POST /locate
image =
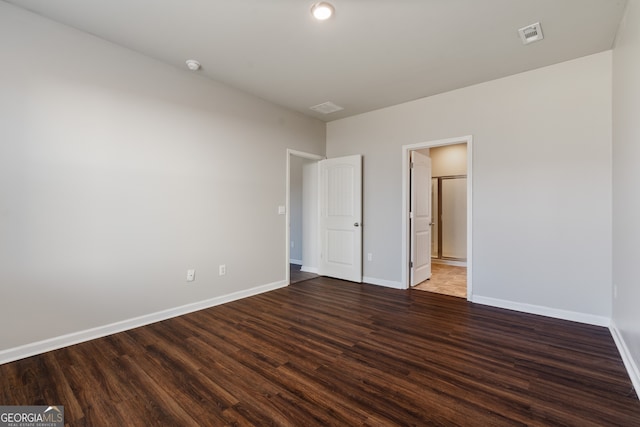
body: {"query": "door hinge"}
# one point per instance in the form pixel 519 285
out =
pixel 410 264
pixel 411 165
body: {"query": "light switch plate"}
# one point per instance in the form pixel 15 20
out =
pixel 281 210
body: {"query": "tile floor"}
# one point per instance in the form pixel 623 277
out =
pixel 447 280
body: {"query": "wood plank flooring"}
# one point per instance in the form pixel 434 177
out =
pixel 328 352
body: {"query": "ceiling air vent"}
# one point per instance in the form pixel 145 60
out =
pixel 531 33
pixel 326 108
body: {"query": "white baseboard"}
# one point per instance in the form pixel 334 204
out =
pixel 574 316
pixel 309 269
pixel 627 358
pixel 383 282
pixel 449 262
pixel 295 261
pixel 28 350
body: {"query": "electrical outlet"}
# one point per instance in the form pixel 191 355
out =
pixel 191 275
pixel 369 256
pixel 222 270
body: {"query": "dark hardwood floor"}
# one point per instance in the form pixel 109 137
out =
pixel 328 352
pixel 296 275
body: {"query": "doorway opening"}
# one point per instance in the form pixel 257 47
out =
pixel 329 236
pixel 437 196
pixel 301 216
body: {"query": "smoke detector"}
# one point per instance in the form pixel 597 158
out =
pixel 326 108
pixel 192 64
pixel 531 33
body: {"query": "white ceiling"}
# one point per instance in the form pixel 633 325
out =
pixel 371 54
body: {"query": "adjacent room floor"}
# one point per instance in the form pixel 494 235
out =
pixel 296 275
pixel 447 280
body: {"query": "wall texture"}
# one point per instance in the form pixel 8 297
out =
pixel 541 183
pixel 118 173
pixel 626 185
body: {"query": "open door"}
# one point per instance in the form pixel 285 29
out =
pixel 420 218
pixel 341 218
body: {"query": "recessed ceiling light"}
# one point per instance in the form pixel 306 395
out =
pixel 322 10
pixel 192 64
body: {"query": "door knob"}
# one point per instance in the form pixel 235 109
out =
pixel 356 225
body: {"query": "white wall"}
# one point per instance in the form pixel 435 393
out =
pixel 118 172
pixel 449 160
pixel 541 186
pixel 626 185
pixel 295 207
pixel 310 216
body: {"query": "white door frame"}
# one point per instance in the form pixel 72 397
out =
pixel 304 155
pixel 406 150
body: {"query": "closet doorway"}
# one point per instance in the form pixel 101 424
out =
pixel 449 213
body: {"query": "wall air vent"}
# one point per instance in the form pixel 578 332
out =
pixel 531 33
pixel 326 108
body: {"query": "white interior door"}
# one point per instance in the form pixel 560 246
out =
pixel 420 217
pixel 341 218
